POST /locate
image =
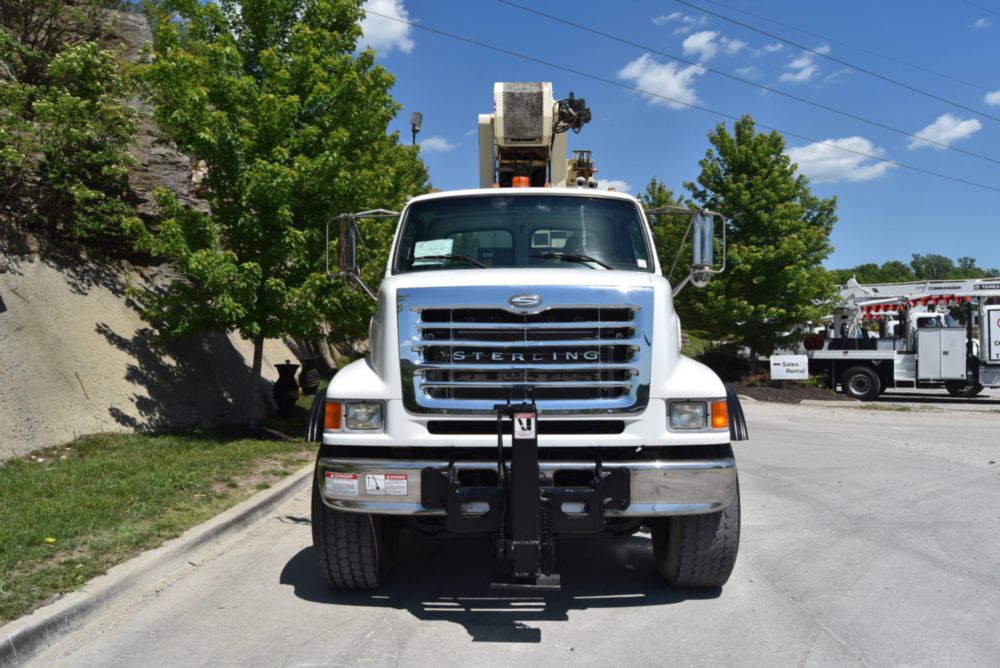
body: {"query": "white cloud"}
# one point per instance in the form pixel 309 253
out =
pixel 733 46
pixel 773 48
pixel 702 44
pixel 667 18
pixel 993 99
pixel 981 23
pixel 750 71
pixel 668 80
pixel 383 35
pixel 705 45
pixel 436 144
pixel 825 49
pixel 685 23
pixel 945 130
pixel 832 160
pixel 617 184
pixel 802 68
pixel 473 131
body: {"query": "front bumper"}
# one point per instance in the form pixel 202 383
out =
pixel 656 488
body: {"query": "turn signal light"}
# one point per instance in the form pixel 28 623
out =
pixel 521 182
pixel 720 415
pixel 334 415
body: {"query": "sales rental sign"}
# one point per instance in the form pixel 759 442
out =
pixel 789 367
pixel 993 333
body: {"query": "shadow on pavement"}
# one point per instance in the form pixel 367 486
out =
pixel 447 579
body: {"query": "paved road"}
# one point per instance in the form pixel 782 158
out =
pixel 869 538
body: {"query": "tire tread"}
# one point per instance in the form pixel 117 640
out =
pixel 347 547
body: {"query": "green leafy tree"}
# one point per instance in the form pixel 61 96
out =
pixel 65 128
pixel 32 32
pixel 291 125
pixel 668 229
pixel 778 234
pixel 932 266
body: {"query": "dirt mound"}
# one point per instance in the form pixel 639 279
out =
pixel 76 358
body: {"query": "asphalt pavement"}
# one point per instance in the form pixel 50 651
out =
pixel 870 537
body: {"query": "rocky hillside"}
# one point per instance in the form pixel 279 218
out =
pixel 75 356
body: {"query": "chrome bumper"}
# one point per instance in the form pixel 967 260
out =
pixel 657 488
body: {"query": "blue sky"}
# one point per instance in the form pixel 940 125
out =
pixel 886 211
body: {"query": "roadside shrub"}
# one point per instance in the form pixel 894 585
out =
pixel 727 360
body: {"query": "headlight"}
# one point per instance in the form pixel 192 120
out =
pixel 688 415
pixel 364 416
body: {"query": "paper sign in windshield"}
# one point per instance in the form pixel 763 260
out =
pixel 433 247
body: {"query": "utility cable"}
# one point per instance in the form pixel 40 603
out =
pixel 748 82
pixel 834 59
pixel 981 8
pixel 855 47
pixel 635 89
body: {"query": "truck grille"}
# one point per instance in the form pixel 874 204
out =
pixel 567 358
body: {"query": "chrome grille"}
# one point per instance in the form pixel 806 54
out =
pixel 569 358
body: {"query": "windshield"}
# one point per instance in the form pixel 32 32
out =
pixel 588 233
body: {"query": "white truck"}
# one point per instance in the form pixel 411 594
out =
pixel 918 344
pixel 524 379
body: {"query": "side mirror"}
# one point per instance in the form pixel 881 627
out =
pixel 347 248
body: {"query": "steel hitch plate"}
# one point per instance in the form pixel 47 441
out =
pixel 526 539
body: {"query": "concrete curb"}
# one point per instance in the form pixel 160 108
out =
pixel 27 637
pixel 831 403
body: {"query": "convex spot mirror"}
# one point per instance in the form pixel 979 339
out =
pixel 347 248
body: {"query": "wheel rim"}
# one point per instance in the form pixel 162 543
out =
pixel 859 384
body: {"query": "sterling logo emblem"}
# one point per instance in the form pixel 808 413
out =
pixel 525 301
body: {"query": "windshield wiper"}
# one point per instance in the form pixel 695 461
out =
pixel 572 257
pixel 461 258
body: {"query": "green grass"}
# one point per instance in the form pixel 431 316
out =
pixel 70 512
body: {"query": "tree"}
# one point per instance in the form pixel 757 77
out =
pixel 64 127
pixel 291 125
pixel 32 32
pixel 778 234
pixel 668 230
pixel 932 266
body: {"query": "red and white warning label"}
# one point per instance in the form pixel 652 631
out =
pixel 524 425
pixel 385 484
pixel 342 484
pixel 395 484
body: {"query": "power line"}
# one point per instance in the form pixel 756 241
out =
pixel 748 82
pixel 634 89
pixel 883 77
pixel 981 8
pixel 862 49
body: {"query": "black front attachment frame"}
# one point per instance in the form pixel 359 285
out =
pixel 522 508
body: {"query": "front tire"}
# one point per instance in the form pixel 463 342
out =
pixel 698 550
pixel 353 550
pixel 861 382
pixel 963 389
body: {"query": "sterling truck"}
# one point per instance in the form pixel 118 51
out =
pixel 524 380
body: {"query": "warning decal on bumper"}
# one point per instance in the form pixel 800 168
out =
pixel 341 484
pixel 387 484
pixel 395 485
